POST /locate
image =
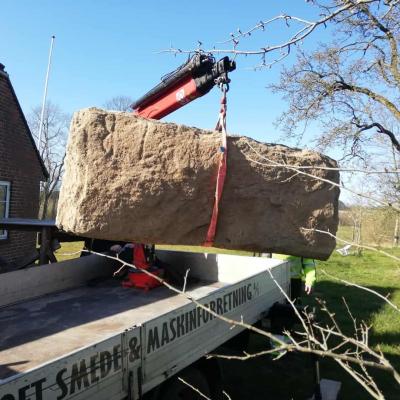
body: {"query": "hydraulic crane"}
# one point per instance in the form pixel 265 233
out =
pixel 193 79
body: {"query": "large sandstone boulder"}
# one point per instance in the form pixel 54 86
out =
pixel 133 179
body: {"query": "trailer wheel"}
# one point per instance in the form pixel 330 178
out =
pixel 176 389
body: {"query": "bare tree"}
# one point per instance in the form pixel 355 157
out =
pixel 384 155
pixel 52 150
pixel 350 85
pixel 119 103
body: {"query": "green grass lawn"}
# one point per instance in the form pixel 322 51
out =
pixel 199 249
pixel 381 274
pixel 69 250
pixel 345 233
pixel 292 376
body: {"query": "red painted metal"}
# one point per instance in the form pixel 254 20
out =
pixel 139 257
pixel 175 97
pixel 137 278
pixel 140 280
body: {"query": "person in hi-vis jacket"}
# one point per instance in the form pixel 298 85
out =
pixel 302 274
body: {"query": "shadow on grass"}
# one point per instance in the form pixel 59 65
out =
pixel 292 377
pixel 385 331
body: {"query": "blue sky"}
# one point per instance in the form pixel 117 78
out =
pixel 108 48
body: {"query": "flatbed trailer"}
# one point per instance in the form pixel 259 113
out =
pixel 68 330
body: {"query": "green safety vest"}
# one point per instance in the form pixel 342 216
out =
pixel 300 268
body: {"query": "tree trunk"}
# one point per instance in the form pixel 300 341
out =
pixel 43 211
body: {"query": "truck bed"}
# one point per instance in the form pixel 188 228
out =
pixel 70 331
pixel 65 321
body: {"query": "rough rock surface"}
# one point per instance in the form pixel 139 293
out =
pixel 128 178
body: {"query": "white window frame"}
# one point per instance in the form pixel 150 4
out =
pixel 4 235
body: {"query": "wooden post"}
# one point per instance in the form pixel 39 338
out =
pixel 44 245
pixel 396 232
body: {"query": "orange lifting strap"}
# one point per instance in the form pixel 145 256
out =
pixel 222 168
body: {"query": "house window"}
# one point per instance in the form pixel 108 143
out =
pixel 4 205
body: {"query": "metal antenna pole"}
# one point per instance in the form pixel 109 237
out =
pixel 45 94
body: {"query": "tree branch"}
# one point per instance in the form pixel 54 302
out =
pixel 394 59
pixel 299 36
pixel 381 129
pixel 335 184
pixel 341 85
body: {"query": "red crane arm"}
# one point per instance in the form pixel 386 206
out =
pixel 193 79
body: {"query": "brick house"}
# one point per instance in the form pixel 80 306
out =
pixel 21 170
